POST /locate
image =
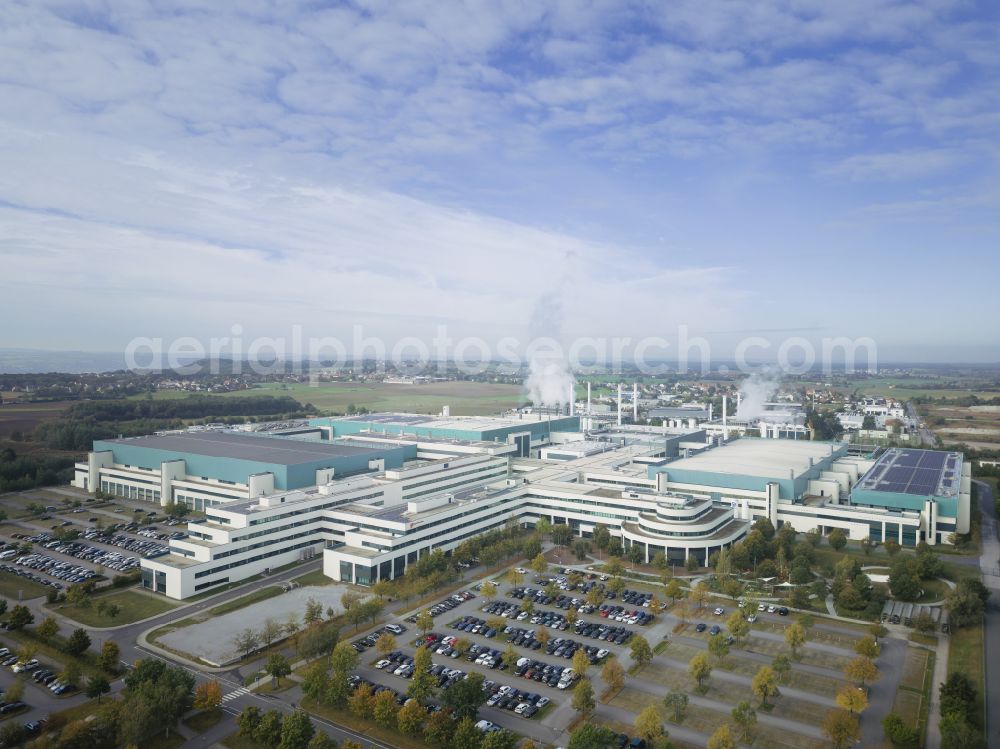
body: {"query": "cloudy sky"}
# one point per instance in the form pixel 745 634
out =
pixel 776 167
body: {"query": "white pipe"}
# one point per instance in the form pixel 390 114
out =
pixel 725 418
pixel 619 404
pixel 635 402
pixel 710 407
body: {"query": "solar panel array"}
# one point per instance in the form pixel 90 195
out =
pixel 919 472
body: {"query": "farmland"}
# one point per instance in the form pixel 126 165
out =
pixel 464 398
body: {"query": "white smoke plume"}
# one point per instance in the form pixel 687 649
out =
pixel 550 378
pixel 755 391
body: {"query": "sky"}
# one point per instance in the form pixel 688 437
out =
pixel 779 168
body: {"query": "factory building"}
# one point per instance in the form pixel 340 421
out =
pixel 400 494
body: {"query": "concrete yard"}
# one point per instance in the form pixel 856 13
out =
pixel 214 640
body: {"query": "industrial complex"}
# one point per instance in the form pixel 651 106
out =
pixel 374 493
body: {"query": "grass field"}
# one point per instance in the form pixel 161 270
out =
pixel 135 606
pixel 965 655
pixel 316 577
pixel 464 398
pixel 24 417
pixel 11 585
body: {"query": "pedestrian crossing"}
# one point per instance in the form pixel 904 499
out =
pixel 235 694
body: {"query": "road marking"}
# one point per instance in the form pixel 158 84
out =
pixel 236 693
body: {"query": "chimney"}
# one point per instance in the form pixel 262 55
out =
pixel 635 402
pixel 572 397
pixel 588 398
pixel 619 404
pixel 725 418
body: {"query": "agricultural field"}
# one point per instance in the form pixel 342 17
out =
pixel 929 386
pixel 24 417
pixel 975 426
pixel 464 398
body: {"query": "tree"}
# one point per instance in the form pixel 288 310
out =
pixel 291 625
pixel 782 666
pixel 795 636
pixel 861 670
pixel 841 728
pixel 674 590
pixel 410 718
pixel 738 626
pixel 613 674
pixel 691 563
pixel 321 741
pixel 270 632
pixel 385 644
pixel 699 595
pixel 465 697
pixel 110 657
pixel 899 733
pixel 764 684
pixel 540 564
pixel 20 617
pixel 438 728
pixel 342 660
pixel 360 701
pixel 649 725
pixel 722 738
pixel 246 641
pixel 207 695
pixel 700 669
pixel 745 717
pixel 580 662
pixel 384 709
pixel 488 591
pixel 904 582
pixel 78 642
pixel 48 629
pixel 316 681
pixel 277 666
pixel 15 691
pixel 296 731
pixel 958 695
pixel 867 646
pixel 959 734
pixel 465 735
pixel 96 687
pixel 837 539
pixel 423 682
pixel 268 731
pixel 590 736
pixel 718 647
pixel 425 622
pixel 852 699
pixel 502 739
pixel 562 534
pixel 248 721
pixel 676 701
pixel 891 547
pixel 583 698
pixel 640 651
pixel 966 602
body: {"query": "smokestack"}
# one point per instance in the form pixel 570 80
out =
pixel 739 400
pixel 588 398
pixel 635 402
pixel 619 404
pixel 572 398
pixel 710 408
pixel 725 417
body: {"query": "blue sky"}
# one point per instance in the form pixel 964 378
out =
pixel 787 166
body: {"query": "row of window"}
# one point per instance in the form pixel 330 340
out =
pixel 315 508
pixel 130 492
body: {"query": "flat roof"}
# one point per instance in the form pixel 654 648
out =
pixel 924 473
pixel 766 458
pixel 245 446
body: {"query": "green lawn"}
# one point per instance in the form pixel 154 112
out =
pixel 965 655
pixel 261 594
pixel 11 585
pixel 464 398
pixel 316 577
pixel 135 606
